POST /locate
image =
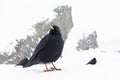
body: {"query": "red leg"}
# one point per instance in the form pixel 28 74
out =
pixel 47 68
pixel 54 68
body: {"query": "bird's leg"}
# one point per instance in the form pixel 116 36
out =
pixel 47 68
pixel 54 68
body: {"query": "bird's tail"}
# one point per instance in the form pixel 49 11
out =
pixel 25 63
pixel 86 63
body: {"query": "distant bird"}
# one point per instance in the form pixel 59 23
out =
pixel 92 61
pixel 48 50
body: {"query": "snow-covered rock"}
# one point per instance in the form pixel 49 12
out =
pixel 88 42
pixel 25 47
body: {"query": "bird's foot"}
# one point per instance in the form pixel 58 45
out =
pixel 48 70
pixel 52 68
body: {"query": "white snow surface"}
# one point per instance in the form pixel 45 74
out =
pixel 17 17
pixel 73 67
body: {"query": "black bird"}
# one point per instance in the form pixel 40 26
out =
pixel 48 50
pixel 92 61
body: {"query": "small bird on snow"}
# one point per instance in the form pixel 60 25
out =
pixel 92 61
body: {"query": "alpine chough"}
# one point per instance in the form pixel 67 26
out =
pixel 48 50
pixel 92 61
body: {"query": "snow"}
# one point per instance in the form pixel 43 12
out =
pixel 17 17
pixel 73 67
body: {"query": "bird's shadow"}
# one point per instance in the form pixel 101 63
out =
pixel 39 71
pixel 35 71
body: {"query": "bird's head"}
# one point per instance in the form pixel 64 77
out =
pixel 55 30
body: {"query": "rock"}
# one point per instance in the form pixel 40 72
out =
pixel 25 47
pixel 63 19
pixel 88 42
pixel 3 58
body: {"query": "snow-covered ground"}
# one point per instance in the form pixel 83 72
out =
pixel 73 67
pixel 17 17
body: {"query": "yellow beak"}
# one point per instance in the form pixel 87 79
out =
pixel 51 27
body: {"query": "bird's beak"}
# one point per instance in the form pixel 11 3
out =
pixel 51 27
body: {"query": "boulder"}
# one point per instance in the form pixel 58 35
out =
pixel 88 42
pixel 25 47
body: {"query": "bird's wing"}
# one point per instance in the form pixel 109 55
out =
pixel 40 45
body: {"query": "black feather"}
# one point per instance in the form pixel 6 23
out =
pixel 23 62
